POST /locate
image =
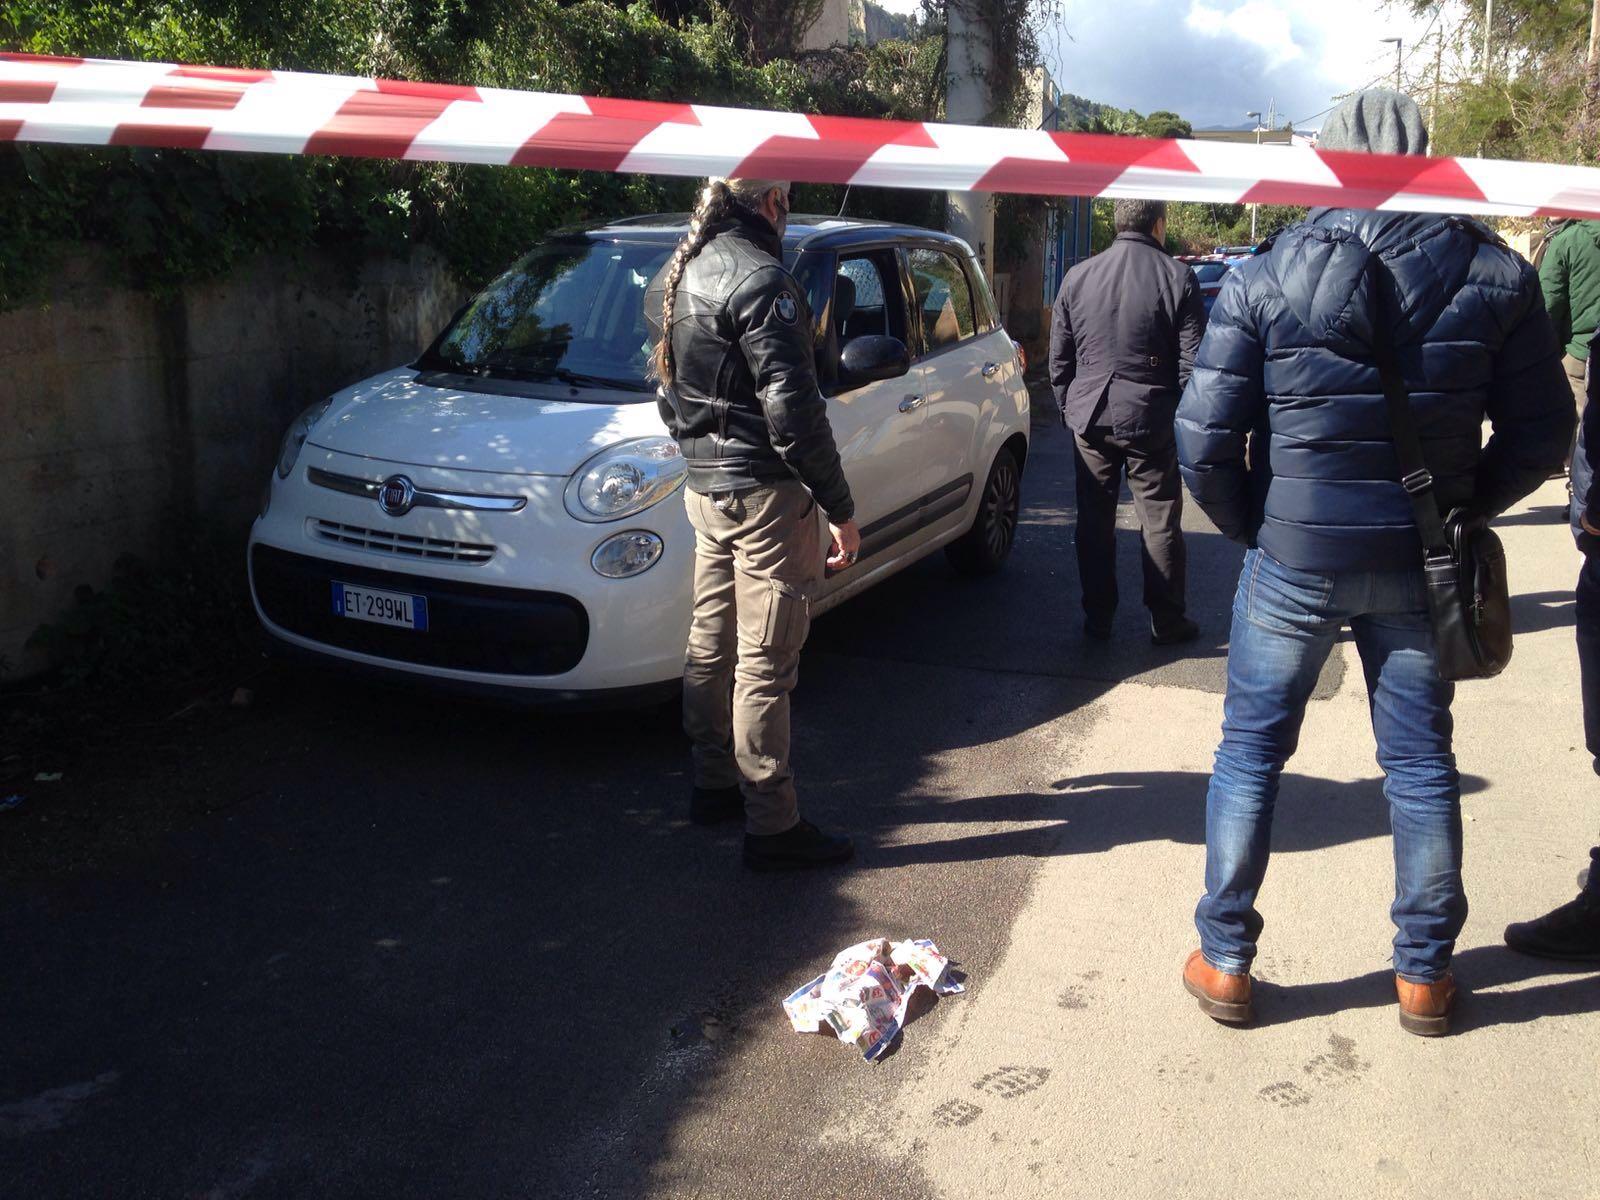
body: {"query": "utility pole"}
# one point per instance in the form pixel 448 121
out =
pixel 1398 86
pixel 969 100
pixel 1488 21
pixel 1438 66
pixel 1594 36
pixel 1253 208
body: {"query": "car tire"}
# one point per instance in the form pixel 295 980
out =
pixel 984 548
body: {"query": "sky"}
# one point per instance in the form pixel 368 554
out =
pixel 1211 61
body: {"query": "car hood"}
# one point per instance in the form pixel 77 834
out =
pixel 427 419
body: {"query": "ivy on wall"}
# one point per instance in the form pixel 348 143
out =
pixel 168 217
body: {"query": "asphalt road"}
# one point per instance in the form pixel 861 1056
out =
pixel 356 941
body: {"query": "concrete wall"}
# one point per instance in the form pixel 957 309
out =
pixel 127 419
pixel 838 24
pixel 969 101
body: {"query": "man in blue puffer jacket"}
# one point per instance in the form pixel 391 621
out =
pixel 1284 441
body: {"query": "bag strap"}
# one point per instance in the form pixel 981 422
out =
pixel 1414 474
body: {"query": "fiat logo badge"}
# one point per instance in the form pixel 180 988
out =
pixel 396 495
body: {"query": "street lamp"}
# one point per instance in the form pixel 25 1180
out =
pixel 1397 84
pixel 1256 117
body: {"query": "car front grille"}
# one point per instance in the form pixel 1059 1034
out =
pixel 408 545
pixel 471 626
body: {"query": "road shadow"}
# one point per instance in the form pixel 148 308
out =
pixel 1535 612
pixel 1028 619
pixel 1539 514
pixel 1488 976
pixel 1092 813
pixel 404 945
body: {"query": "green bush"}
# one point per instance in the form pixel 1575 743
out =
pixel 169 216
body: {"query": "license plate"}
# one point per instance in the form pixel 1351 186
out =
pixel 381 608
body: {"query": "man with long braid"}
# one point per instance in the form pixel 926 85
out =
pixel 738 389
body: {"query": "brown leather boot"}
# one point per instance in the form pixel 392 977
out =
pixel 1223 997
pixel 1426 1008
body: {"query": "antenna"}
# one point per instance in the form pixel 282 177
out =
pixel 843 202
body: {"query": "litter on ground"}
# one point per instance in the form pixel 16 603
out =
pixel 864 995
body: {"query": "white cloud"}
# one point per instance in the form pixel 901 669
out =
pixel 1226 56
pixel 1258 22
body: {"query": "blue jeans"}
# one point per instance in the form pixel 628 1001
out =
pixel 1285 623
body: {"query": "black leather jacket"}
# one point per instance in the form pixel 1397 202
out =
pixel 744 403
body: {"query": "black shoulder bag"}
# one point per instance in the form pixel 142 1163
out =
pixel 1462 558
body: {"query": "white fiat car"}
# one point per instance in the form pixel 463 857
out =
pixel 505 513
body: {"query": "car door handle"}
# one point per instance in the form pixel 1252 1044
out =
pixel 990 370
pixel 912 403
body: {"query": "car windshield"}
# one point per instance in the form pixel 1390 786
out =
pixel 570 310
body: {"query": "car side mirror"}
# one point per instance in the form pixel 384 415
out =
pixel 872 357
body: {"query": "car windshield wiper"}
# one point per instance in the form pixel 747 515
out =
pixel 532 374
pixel 579 379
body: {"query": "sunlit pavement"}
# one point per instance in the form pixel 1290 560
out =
pixel 422 948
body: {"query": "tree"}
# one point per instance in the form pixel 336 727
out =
pixel 1164 124
pixel 1532 99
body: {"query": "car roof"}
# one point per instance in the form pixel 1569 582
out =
pixel 806 231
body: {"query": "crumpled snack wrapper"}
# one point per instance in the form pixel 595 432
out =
pixel 863 997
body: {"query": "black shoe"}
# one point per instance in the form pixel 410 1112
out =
pixel 1181 630
pixel 1097 628
pixel 712 806
pixel 803 846
pixel 1571 932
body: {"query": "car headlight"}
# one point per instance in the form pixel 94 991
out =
pixel 625 554
pixel 625 479
pixel 295 438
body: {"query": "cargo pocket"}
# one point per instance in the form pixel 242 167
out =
pixel 788 616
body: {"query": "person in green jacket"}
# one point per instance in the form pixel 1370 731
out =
pixel 1569 273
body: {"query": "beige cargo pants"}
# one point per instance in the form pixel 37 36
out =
pixel 1577 379
pixel 758 559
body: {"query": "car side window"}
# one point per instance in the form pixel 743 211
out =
pixel 943 296
pixel 982 298
pixel 867 298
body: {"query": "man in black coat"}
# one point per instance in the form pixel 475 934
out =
pixel 1123 336
pixel 1572 932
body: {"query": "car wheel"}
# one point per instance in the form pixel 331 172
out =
pixel 983 549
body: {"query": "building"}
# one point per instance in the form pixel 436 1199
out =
pixel 856 22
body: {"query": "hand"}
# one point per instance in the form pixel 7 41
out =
pixel 846 545
pixel 1583 520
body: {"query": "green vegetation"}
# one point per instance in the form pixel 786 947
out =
pixel 1194 228
pixel 1533 100
pixel 1088 116
pixel 172 216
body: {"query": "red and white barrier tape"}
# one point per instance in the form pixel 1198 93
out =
pixel 98 102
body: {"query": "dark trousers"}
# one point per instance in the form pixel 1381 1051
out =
pixel 1151 465
pixel 1588 622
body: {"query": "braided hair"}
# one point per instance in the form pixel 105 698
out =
pixel 719 199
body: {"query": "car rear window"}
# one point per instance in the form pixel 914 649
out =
pixel 1210 272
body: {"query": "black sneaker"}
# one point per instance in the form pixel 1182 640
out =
pixel 803 846
pixel 1181 630
pixel 1571 932
pixel 712 806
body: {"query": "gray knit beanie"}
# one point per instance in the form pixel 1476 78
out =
pixel 1378 121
